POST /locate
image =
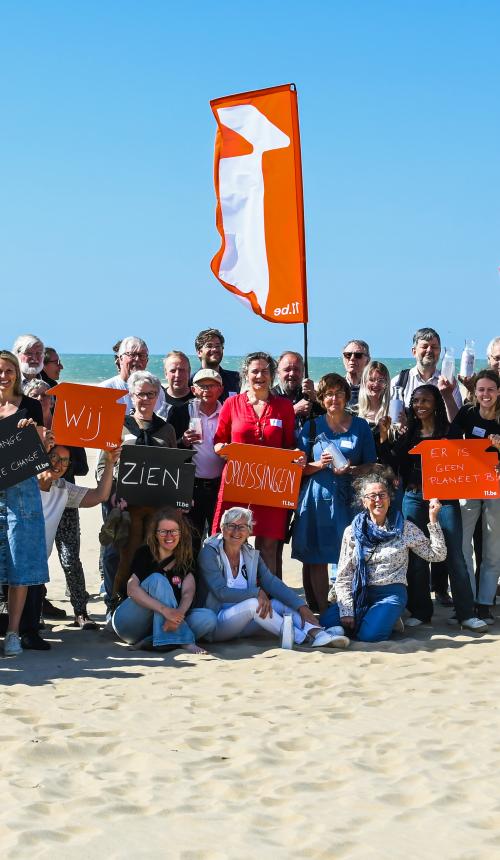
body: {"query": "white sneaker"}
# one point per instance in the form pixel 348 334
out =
pixel 413 622
pixel 325 637
pixel 12 644
pixel 335 631
pixel 474 624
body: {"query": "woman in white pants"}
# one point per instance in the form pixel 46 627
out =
pixel 246 596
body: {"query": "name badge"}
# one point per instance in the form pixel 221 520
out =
pixel 478 431
pixel 276 422
pixel 346 443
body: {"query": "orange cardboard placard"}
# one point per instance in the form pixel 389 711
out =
pixel 87 416
pixel 458 469
pixel 262 476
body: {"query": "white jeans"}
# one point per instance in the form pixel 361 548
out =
pixel 489 509
pixel 242 619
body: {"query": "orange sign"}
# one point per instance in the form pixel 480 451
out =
pixel 262 476
pixel 260 211
pixel 87 416
pixel 458 469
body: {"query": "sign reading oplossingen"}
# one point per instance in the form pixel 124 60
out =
pixel 155 476
pixel 458 469
pixel 22 455
pixel 262 475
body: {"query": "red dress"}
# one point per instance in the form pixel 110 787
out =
pixel 276 429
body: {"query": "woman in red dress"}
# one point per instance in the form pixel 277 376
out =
pixel 257 417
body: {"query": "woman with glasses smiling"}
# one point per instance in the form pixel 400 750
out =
pixel 371 578
pixel 157 613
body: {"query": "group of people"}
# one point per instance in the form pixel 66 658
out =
pixel 172 579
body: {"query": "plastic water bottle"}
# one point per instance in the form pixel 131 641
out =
pixel 468 359
pixel 338 459
pixel 448 364
pixel 287 632
pixel 396 406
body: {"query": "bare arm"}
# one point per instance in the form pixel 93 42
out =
pixel 102 492
pixel 140 596
pixel 187 593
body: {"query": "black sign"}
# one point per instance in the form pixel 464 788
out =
pixel 22 455
pixel 155 476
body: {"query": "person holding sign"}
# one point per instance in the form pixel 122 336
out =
pixel 239 587
pixel 478 421
pixel 23 558
pixel 371 576
pixel 257 417
pixel 157 613
pixel 324 508
pixel 427 419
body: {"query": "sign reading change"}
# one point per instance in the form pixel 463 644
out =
pixel 458 469
pixel 261 475
pixel 88 416
pixel 155 476
pixel 22 455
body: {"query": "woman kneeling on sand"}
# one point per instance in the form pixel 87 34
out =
pixel 246 596
pixel 371 578
pixel 157 613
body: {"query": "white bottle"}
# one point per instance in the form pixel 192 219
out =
pixel 396 406
pixel 448 364
pixel 287 632
pixel 338 459
pixel 468 359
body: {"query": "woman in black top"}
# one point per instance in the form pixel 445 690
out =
pixel 481 420
pixel 157 612
pixel 427 420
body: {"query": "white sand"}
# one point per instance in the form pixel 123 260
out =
pixel 383 751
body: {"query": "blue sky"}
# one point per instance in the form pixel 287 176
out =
pixel 107 225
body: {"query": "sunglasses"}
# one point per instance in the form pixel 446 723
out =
pixel 357 355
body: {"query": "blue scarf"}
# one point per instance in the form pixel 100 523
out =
pixel 367 537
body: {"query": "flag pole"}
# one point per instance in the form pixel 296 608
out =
pixel 306 371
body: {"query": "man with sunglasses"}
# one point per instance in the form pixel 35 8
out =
pixel 52 366
pixel 355 355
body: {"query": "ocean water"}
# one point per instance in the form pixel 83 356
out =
pixel 92 368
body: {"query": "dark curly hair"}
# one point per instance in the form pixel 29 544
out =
pixel 441 423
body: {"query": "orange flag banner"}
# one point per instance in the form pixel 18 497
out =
pixel 458 469
pixel 87 416
pixel 262 475
pixel 260 212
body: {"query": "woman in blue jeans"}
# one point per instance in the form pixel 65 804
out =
pixel 427 420
pixel 157 613
pixel 371 577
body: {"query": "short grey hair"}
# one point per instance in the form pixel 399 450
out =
pixel 128 342
pixel 362 343
pixel 24 342
pixel 140 376
pixel 489 348
pixel 35 384
pixel 233 514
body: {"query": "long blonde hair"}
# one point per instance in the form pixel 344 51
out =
pixel 364 397
pixel 13 360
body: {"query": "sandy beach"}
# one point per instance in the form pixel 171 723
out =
pixel 384 751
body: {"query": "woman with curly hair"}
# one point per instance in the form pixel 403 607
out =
pixel 157 613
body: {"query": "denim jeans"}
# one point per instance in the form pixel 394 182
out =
pixel 23 550
pixel 489 512
pixel 132 622
pixel 386 605
pixel 416 510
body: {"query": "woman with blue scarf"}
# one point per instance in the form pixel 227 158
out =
pixel 371 576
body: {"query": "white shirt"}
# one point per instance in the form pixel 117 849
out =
pixel 62 494
pixel 414 380
pixel 239 581
pixel 161 407
pixel 208 463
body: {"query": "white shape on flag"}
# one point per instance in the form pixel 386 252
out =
pixel 241 193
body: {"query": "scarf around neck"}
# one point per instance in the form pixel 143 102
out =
pixel 367 537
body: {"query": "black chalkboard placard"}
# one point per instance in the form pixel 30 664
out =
pixel 22 455
pixel 155 476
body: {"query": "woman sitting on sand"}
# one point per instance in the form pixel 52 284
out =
pixel 371 577
pixel 157 613
pixel 247 598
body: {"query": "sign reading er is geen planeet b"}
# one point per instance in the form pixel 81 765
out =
pixel 458 469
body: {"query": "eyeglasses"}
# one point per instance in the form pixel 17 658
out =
pixel 143 355
pixel 234 527
pixel 53 361
pixel 208 386
pixel 146 395
pixel 167 532
pixel 33 353
pixel 55 459
pixel 374 496
pixel 357 355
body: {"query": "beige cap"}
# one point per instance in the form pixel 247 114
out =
pixel 207 373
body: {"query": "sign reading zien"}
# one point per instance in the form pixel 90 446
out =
pixel 458 469
pixel 262 476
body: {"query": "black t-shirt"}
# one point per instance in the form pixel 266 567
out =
pixel 177 401
pixel 32 408
pixel 144 564
pixel 469 424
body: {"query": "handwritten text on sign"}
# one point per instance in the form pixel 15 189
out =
pixel 87 416
pixel 458 469
pixel 22 455
pixel 155 476
pixel 260 475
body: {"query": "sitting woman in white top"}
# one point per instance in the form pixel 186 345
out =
pixel 371 577
pixel 58 494
pixel 247 598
